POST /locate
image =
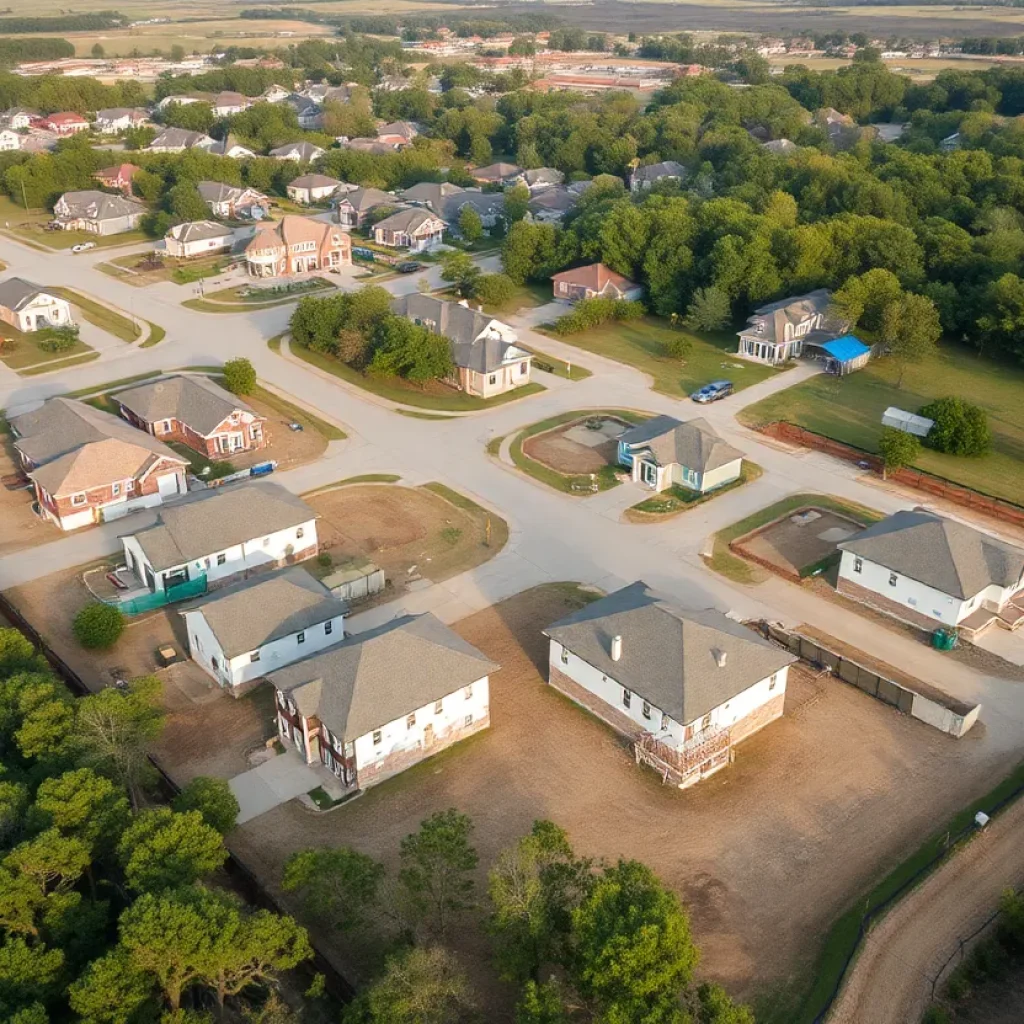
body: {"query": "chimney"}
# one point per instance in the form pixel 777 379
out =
pixel 616 648
pixel 720 656
pixel 464 302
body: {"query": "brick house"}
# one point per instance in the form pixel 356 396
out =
pixel 65 123
pixel 684 686
pixel 193 410
pixel 119 177
pixel 89 467
pixel 415 230
pixel 594 281
pixel 295 245
pixel 352 209
pixel 381 701
pixel 228 534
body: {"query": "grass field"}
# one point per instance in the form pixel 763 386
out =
pixel 641 343
pixel 106 319
pixel 850 410
pixel 19 351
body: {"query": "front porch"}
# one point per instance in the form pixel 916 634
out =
pixel 1010 616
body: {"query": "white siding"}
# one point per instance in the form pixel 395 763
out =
pixel 723 475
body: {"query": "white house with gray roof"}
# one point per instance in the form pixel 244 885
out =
pixel 778 331
pixel 685 686
pixel 415 229
pixel 383 700
pixel 247 630
pixel 97 212
pixel 225 534
pixel 197 238
pixel 300 152
pixel 488 361
pixel 663 452
pixel 177 140
pixel 27 307
pixel 646 177
pixel 932 571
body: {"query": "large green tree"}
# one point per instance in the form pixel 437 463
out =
pixel 163 849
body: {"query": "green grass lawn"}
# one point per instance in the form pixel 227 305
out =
pixel 850 410
pixel 439 397
pixel 525 296
pixel 20 350
pixel 241 297
pixel 106 319
pixel 61 364
pixel 641 343
pixel 294 412
pixel 156 335
pixel 678 499
pixel 559 367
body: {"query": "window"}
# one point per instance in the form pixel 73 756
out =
pixel 492 379
pixel 301 637
pixel 705 721
pixel 467 693
pixel 892 579
pixel 165 427
pixel 771 682
pixel 78 499
pixel 377 737
pixel 222 558
pixel 565 656
pixel 645 710
pixel 858 564
pixel 524 368
pixel 469 719
pixel 129 485
pixel 626 698
pixel 328 628
pixel 300 533
pixel 438 706
pixel 115 489
pixel 254 657
pixel 410 722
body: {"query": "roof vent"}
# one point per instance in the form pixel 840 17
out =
pixel 616 648
pixel 720 656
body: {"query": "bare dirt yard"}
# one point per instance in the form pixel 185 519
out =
pixel 410 532
pixel 289 448
pixel 585 445
pixel 765 854
pixel 20 527
pixel 800 540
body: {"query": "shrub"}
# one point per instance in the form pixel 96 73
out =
pixel 324 559
pixel 589 313
pixel 898 449
pixel 678 346
pixel 239 376
pixel 98 626
pixel 57 339
pixel 960 427
pixel 494 289
pixel 213 799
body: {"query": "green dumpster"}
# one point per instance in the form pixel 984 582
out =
pixel 944 639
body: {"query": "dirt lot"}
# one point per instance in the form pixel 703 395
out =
pixel 765 854
pixel 19 526
pixel 290 448
pixel 410 532
pixel 800 540
pixel 568 449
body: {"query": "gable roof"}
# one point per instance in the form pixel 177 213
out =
pixel 664 169
pixel 543 176
pixel 485 203
pixel 118 171
pixel 179 138
pixel 406 221
pixel 255 612
pixel 405 129
pixel 845 348
pixel 793 310
pixel 300 151
pixel 432 193
pixel 670 656
pixel 220 192
pixel 116 113
pixel 555 198
pixel 314 181
pixel 219 520
pixel 192 399
pixel 99 463
pixel 495 172
pixel 92 204
pixel 382 675
pixel 197 230
pixel 364 199
pixel 949 556
pixel 16 293
pixel 594 276
pixel 693 444
pixel 291 230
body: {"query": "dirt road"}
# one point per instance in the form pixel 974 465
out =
pixel 891 979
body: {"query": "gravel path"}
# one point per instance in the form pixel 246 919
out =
pixel 892 978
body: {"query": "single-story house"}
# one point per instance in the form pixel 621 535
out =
pixel 685 686
pixel 197 238
pixel 842 355
pixel 249 629
pixel 539 178
pixel 230 148
pixel 295 245
pixel 88 466
pixel 27 307
pixel 550 205
pixel 301 152
pixel 487 359
pixel 594 281
pixel 65 123
pixel 495 174
pixel 192 410
pixel 778 331
pixel 119 177
pixel 351 209
pixel 228 533
pixel 97 212
pixel 372 146
pixel 10 140
pixel 932 571
pixel 233 201
pixel 227 103
pixel 663 451
pixel 312 188
pixel 383 700
pixel 119 119
pixel 415 230
pixel 177 140
pixel 397 133
pixel 645 177
pixel 489 205
pixel 431 194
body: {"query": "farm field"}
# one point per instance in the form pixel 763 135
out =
pixel 850 410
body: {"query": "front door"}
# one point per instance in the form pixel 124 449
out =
pixel 428 736
pixel 649 473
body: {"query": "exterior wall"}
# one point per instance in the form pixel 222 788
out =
pixel 423 238
pixel 9 140
pixel 198 247
pixel 507 378
pixel 250 429
pixel 49 308
pixel 310 195
pixel 205 650
pixel 285 547
pixel 720 477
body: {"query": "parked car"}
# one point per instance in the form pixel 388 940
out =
pixel 83 247
pixel 409 267
pixel 713 392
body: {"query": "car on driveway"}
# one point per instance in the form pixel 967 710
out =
pixel 713 392
pixel 83 247
pixel 409 267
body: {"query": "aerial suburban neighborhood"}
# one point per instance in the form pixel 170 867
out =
pixel 511 515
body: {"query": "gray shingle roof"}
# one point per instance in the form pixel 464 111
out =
pixel 693 444
pixel 382 675
pixel 555 198
pixel 197 230
pixel 670 657
pixel 487 204
pixel 218 191
pixel 220 520
pixel 314 181
pixel 664 169
pixel 179 138
pixel 405 221
pixel 365 199
pixel 95 205
pixel 255 612
pixel 16 292
pixel 432 193
pixel 775 315
pixel 192 399
pixel 942 553
pixel 301 151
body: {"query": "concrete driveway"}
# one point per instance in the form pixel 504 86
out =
pixel 274 782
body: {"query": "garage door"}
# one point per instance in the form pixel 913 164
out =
pixel 167 484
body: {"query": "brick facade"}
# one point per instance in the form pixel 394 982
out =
pixel 620 722
pixel 893 608
pixel 184 434
pixel 758 719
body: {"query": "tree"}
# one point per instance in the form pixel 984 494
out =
pixel 961 428
pixel 437 865
pixel 13 802
pixel 52 862
pixel 239 376
pixel 185 203
pixel 97 51
pixel 337 884
pixel 517 203
pixel 162 849
pixel 632 949
pixel 195 117
pixel 541 1004
pixel 459 268
pixel 471 227
pixel 112 989
pixel 713 1006
pixel 898 449
pixel 404 349
pixel 494 289
pixel 1003 318
pixel 863 299
pixel 17 653
pixel 213 799
pixel 419 986
pixel 83 805
pixel 98 626
pixel 909 330
pixel 709 310
pixel 177 52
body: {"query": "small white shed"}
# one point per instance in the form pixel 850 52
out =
pixel 908 422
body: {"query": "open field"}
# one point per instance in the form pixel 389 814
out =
pixel 641 343
pixel 850 410
pixel 919 69
pixel 101 316
pixel 801 542
pixel 775 847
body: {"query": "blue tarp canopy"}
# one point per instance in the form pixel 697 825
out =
pixel 845 349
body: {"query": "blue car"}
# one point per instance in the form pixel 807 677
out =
pixel 713 392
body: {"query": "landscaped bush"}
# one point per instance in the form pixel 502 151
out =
pixel 98 626
pixel 57 339
pixel 589 313
pixel 494 289
pixel 960 427
pixel 239 376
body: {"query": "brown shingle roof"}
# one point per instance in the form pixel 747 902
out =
pixel 594 276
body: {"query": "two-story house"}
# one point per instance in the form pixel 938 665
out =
pixel 97 212
pixel 352 209
pixel 119 119
pixel 232 201
pixel 777 332
pixel 295 245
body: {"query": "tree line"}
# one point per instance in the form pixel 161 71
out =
pixel 69 22
pixel 18 51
